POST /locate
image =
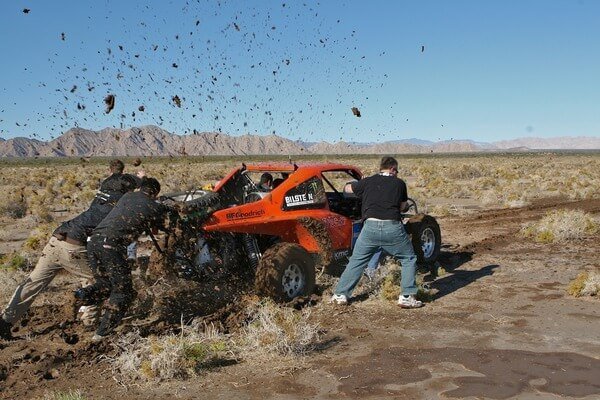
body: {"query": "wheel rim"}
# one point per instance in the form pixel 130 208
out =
pixel 292 280
pixel 427 242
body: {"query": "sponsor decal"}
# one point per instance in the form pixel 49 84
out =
pixel 244 214
pixel 340 254
pixel 299 199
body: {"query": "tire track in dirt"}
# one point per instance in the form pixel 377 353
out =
pixel 502 226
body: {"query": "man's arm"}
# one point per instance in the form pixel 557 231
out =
pixel 162 215
pixel 403 196
pixel 356 187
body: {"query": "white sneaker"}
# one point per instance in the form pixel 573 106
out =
pixel 409 301
pixel 88 315
pixel 98 338
pixel 339 299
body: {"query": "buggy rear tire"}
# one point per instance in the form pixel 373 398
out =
pixel 209 199
pixel 426 238
pixel 185 196
pixel 197 205
pixel 285 272
pixel 194 198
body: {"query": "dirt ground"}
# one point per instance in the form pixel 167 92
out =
pixel 501 326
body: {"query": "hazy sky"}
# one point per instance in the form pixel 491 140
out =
pixel 489 70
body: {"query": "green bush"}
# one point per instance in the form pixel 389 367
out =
pixel 14 261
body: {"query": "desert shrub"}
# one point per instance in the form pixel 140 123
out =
pixel 486 182
pixel 38 237
pixel 69 395
pixel 390 287
pixel 43 214
pixel 39 205
pixel 585 284
pixel 172 356
pixel 13 206
pixel 561 226
pixel 465 171
pixel 576 285
pixel 13 261
pixel 387 280
pixel 276 331
pixel 442 210
pixel 424 295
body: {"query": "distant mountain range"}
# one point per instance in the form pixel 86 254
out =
pixel 154 141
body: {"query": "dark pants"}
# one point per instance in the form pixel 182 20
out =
pixel 112 276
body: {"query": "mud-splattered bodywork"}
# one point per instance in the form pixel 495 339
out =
pixel 296 211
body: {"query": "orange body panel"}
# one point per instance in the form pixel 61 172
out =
pixel 268 217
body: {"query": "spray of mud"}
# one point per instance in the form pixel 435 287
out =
pixel 165 299
pixel 319 232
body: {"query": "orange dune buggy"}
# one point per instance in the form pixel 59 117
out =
pixel 305 221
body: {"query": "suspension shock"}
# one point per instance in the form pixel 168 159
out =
pixel 252 250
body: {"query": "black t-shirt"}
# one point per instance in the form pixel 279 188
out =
pixel 381 196
pixel 111 190
pixel 116 186
pixel 134 213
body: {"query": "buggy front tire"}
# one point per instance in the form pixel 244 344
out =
pixel 285 272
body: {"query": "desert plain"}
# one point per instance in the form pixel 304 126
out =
pixel 513 311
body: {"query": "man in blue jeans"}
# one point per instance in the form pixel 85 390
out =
pixel 383 197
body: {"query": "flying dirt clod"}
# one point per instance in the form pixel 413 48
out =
pixel 177 101
pixel 110 103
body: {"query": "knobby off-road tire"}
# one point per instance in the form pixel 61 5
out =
pixel 209 200
pixel 201 208
pixel 180 196
pixel 284 272
pixel 426 238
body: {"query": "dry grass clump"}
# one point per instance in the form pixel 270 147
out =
pixel 12 204
pixel 561 226
pixel 68 395
pixel 39 236
pixel 585 284
pixel 276 331
pixel 13 262
pixel 174 356
pixel 442 211
pixel 389 285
